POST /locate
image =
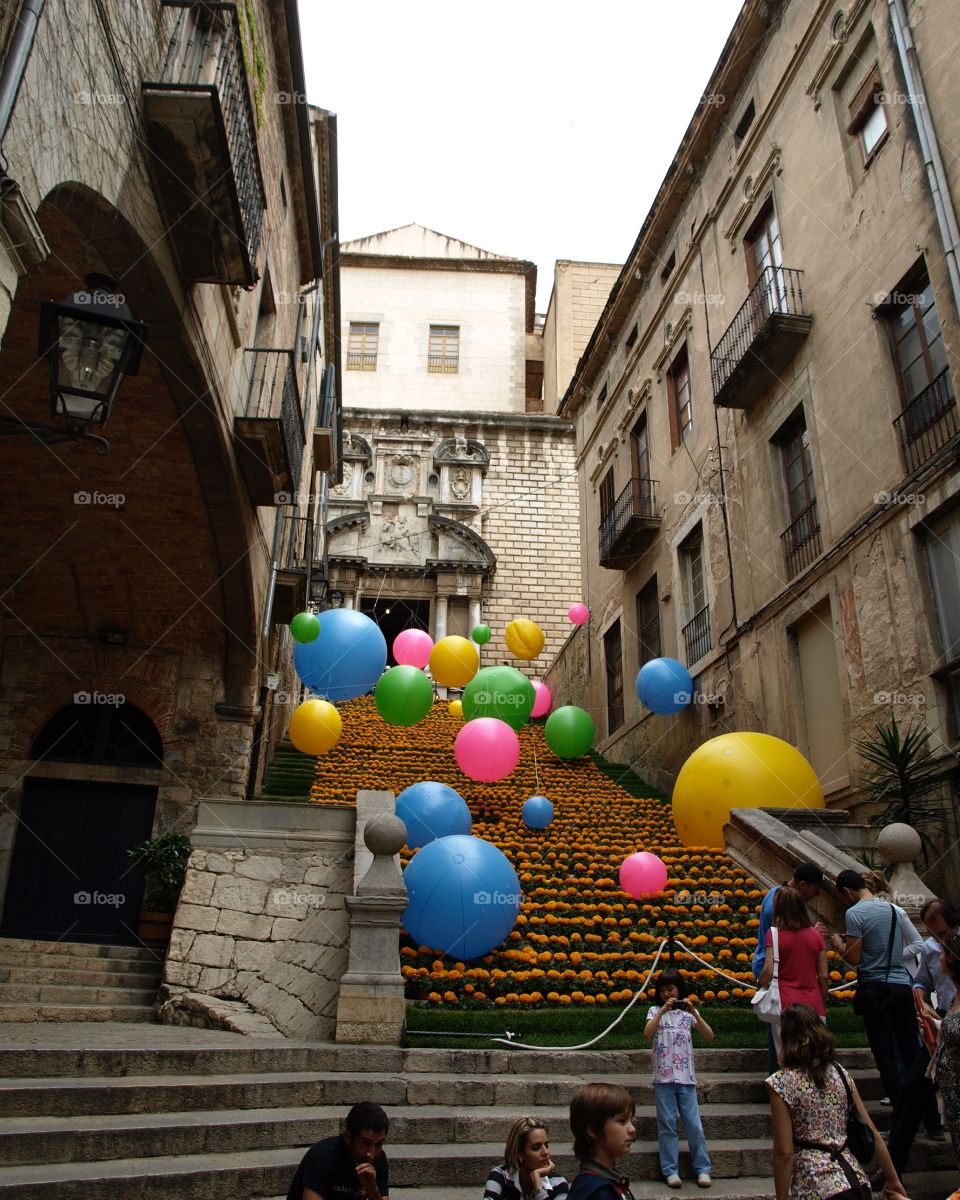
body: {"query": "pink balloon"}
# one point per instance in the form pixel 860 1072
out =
pixel 543 700
pixel 578 613
pixel 642 874
pixel 487 749
pixel 411 648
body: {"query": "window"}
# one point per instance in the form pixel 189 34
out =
pixel 943 554
pixel 640 449
pixel 801 539
pixel 631 338
pixel 681 401
pixel 764 252
pixel 362 346
pixel 648 621
pixel 613 665
pixel 602 396
pixel 916 338
pixel 868 118
pixel 606 496
pixel 668 267
pixel 744 124
pixel 443 355
pixel 696 632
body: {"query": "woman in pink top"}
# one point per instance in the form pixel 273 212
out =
pixel 802 973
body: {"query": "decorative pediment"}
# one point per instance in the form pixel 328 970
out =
pixel 674 335
pixel 754 186
pixel 458 545
pixel 356 447
pixel 636 398
pixel 462 450
pixel 347 536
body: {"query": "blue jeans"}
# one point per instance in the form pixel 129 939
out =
pixel 671 1098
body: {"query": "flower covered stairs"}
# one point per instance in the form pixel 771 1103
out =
pixel 201 1115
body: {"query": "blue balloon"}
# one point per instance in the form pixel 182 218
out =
pixel 464 896
pixel 537 812
pixel 347 657
pixel 432 810
pixel 664 685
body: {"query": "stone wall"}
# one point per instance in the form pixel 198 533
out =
pixel 261 917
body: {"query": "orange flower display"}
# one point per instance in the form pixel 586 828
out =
pixel 568 873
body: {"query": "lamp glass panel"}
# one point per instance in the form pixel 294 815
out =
pixel 89 356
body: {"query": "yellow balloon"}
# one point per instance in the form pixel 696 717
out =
pixel 315 727
pixel 455 708
pixel 454 661
pixel 739 770
pixel 524 638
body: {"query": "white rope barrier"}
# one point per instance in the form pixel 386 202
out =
pixel 641 993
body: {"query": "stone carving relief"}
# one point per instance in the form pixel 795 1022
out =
pixel 401 472
pixel 460 484
pixel 401 537
pixel 345 487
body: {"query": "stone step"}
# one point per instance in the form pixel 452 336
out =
pixel 20 948
pixel 923 1186
pixel 329 1057
pixel 92 1138
pixel 49 993
pixel 57 1096
pixel 75 1012
pixel 141 975
pixel 266 1172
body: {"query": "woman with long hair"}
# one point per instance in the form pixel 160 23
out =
pixel 526 1172
pixel 802 971
pixel 811 1098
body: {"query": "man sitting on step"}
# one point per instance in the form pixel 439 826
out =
pixel 351 1166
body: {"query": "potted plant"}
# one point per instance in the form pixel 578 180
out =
pixel 164 862
pixel 904 775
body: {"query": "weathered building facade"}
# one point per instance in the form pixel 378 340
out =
pixel 167 151
pixel 458 498
pixel 767 429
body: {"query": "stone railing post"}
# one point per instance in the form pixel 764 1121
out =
pixel 371 1007
pixel 900 844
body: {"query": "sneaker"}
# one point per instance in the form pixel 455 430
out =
pixel 674 1180
pixel 704 1180
pixel 887 1101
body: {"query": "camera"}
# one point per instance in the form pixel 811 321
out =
pixel 681 1005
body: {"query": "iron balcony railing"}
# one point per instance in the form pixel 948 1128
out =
pixel 696 636
pixel 777 290
pixel 638 499
pixel 801 540
pixel 440 364
pixel 361 362
pixel 274 392
pixel 205 49
pixel 928 422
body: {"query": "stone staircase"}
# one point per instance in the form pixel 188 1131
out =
pixel 210 1121
pixel 77 981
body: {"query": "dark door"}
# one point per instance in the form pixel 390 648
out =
pixel 393 616
pixel 70 877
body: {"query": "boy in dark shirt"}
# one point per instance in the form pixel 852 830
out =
pixel 351 1166
pixel 601 1118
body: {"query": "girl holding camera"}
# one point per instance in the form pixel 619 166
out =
pixel 669 1025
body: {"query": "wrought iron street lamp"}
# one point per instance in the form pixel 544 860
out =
pixel 91 341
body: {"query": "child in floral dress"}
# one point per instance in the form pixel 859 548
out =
pixel 669 1025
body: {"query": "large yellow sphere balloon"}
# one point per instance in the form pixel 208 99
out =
pixel 454 661
pixel 524 638
pixel 739 770
pixel 455 708
pixel 315 727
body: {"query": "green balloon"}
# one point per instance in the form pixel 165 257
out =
pixel 403 696
pixel 502 692
pixel 305 627
pixel 569 731
pixel 481 634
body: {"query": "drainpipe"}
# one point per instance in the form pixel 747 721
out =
pixel 14 69
pixel 936 175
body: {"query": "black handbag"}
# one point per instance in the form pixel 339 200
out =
pixel 873 995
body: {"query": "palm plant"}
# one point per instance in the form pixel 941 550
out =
pixel 903 775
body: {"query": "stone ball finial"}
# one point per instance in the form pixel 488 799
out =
pixel 384 834
pixel 899 843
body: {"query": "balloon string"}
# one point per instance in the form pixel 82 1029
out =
pixel 536 772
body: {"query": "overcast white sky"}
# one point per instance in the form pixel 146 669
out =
pixel 540 131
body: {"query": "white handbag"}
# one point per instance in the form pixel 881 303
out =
pixel 766 1000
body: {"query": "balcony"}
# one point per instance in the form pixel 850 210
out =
pixel 761 339
pixel 696 636
pixel 928 422
pixel 271 432
pixel 202 136
pixel 801 540
pixel 295 567
pixel 630 526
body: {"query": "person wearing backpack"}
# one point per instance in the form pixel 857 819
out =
pixel 820 1124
